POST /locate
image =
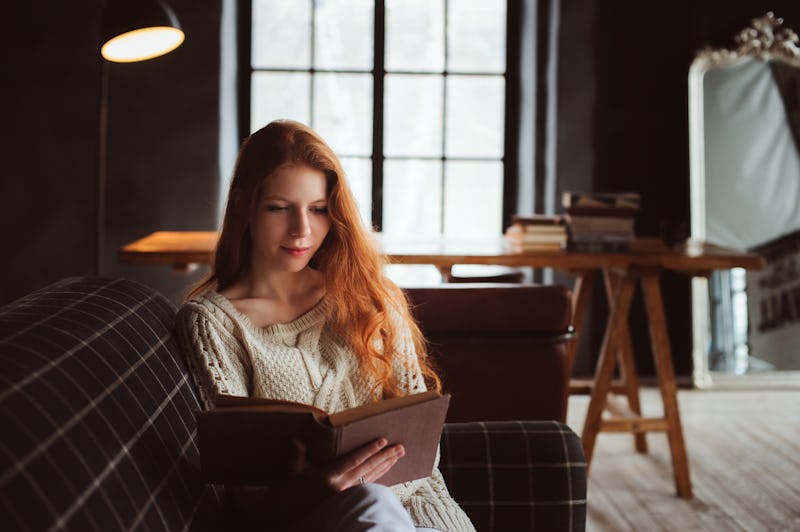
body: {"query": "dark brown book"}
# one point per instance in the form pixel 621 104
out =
pixel 246 440
pixel 626 200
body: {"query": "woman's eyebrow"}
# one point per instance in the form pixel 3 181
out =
pixel 278 197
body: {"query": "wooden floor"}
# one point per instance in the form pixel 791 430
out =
pixel 744 454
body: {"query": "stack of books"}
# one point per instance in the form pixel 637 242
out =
pixel 538 232
pixel 601 221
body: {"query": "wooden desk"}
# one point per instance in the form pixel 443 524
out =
pixel 180 249
pixel 643 263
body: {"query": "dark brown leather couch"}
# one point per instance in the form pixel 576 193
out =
pixel 501 349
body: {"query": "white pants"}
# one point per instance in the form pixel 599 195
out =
pixel 369 507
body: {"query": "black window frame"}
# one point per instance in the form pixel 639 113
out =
pixel 510 156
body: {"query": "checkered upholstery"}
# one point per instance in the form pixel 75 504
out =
pixel 97 413
pixel 97 428
pixel 516 476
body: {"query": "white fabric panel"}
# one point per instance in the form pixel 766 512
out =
pixel 752 169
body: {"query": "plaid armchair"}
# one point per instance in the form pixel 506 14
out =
pixel 97 416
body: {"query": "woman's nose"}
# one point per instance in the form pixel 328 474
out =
pixel 300 224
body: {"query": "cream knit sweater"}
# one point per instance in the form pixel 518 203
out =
pixel 305 362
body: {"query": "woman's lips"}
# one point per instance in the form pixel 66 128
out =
pixel 295 252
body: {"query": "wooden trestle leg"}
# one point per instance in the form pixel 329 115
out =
pixel 630 380
pixel 662 355
pixel 605 365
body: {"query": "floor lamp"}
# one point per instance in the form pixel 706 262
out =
pixel 131 32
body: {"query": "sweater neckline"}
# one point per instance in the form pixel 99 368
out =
pixel 303 322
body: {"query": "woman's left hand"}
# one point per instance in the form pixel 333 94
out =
pixel 365 464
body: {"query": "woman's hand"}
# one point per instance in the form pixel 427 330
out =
pixel 366 464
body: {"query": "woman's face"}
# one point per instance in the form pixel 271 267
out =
pixel 291 218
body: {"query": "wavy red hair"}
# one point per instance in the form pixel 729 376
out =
pixel 364 305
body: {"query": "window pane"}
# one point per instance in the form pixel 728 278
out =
pixel 413 275
pixel 281 33
pixel 413 115
pixel 412 193
pixel 473 198
pixel 475 116
pixel 476 36
pixel 343 112
pixel 279 95
pixel 359 177
pixel 415 35
pixel 343 34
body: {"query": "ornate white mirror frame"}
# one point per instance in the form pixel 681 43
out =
pixel 766 40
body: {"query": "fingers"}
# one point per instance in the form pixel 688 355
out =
pixel 370 462
pixel 378 465
pixel 358 457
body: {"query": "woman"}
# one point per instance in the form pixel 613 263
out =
pixel 297 308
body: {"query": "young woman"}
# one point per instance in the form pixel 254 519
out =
pixel 296 307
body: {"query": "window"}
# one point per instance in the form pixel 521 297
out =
pixel 729 351
pixel 411 94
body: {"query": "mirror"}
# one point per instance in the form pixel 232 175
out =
pixel 744 121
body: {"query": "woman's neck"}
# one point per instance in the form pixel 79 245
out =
pixel 276 298
pixel 283 287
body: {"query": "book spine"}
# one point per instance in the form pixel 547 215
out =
pixel 601 199
pixel 529 238
pixel 544 221
pixel 545 229
pixel 604 212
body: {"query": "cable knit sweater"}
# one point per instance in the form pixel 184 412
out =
pixel 301 361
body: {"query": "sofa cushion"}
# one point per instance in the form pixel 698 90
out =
pixel 97 413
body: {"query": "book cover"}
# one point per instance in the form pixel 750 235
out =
pixel 246 440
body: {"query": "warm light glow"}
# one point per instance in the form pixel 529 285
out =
pixel 142 44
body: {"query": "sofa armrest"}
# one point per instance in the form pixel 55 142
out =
pixel 517 475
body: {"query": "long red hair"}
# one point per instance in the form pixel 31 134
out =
pixel 364 306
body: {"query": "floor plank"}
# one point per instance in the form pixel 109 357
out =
pixel 744 454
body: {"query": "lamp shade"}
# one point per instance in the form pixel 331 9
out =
pixel 136 30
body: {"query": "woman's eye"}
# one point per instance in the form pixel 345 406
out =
pixel 276 208
pixel 319 210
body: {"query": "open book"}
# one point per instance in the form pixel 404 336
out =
pixel 247 440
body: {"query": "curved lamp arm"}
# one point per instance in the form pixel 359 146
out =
pixel 131 31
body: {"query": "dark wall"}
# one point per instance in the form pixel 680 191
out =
pixel 637 104
pixel 621 112
pixel 162 143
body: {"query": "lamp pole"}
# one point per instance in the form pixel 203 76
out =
pixel 102 142
pixel 131 31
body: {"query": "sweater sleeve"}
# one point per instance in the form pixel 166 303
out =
pixel 427 500
pixel 217 361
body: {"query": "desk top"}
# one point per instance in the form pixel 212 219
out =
pixel 182 248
